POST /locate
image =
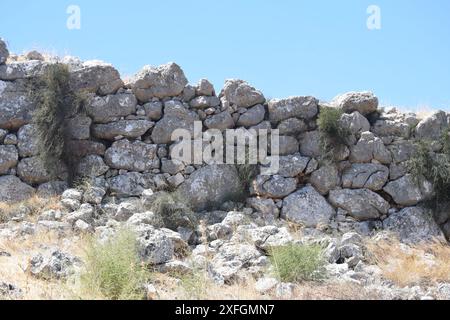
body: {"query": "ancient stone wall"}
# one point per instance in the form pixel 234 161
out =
pixel 122 143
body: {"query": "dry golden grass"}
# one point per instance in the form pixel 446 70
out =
pixel 201 287
pixel 412 265
pixel 13 268
pixel 34 204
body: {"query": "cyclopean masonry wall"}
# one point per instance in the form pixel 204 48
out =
pixel 123 145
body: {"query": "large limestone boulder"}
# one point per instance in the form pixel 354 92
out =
pixel 8 158
pixel 96 77
pixel 82 148
pixel 406 191
pixel 4 53
pixel 292 165
pixel 32 171
pixel 176 116
pixel 432 127
pixel 292 126
pixel 167 80
pixel 110 108
pixel 27 141
pixel 365 175
pixel 413 225
pixel 204 102
pixel 325 178
pixel 307 207
pixel 220 121
pixel 252 117
pixel 355 122
pixel 295 107
pixel 363 102
pixel 130 184
pixel 211 186
pixel 310 144
pixel 154 246
pixel 361 204
pixel 241 94
pixel 13 190
pixel 276 187
pixel 395 124
pixel 204 88
pixel 133 156
pixel 16 105
pixel 402 150
pixel 92 166
pixel 124 128
pixel 370 148
pixel 22 70
pixel 79 127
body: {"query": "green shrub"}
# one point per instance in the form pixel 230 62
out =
pixel 433 167
pixel 113 269
pixel 173 211
pixel 296 263
pixel 55 102
pixel 333 135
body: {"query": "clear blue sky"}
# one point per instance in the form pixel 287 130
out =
pixel 284 48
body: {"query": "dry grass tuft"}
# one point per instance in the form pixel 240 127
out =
pixel 412 265
pixel 31 207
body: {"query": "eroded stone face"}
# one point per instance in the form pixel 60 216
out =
pixel 133 156
pixel 111 107
pixel 211 186
pixel 297 107
pixel 164 81
pixel 363 102
pixel 15 104
pixel 12 189
pixel 307 207
pixel 361 204
pixel 8 158
pixel 241 94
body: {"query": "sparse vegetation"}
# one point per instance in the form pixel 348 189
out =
pixel 297 263
pixel 415 265
pixel 113 269
pixel 333 135
pixel 55 103
pixel 435 168
pixel 30 207
pixel 172 210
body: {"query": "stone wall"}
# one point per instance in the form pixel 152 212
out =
pixel 122 144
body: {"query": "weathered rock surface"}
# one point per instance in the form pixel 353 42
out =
pixel 12 189
pixel 361 204
pixel 122 128
pixel 241 94
pixel 4 53
pixel 111 107
pixel 164 81
pixel 96 77
pixel 365 176
pixel 296 107
pixel 176 116
pixel 413 224
pixel 211 186
pixel 27 141
pixel 363 102
pixel 15 104
pixel 33 171
pixel 307 207
pixel 408 192
pixel 133 156
pixel 8 158
pixel 325 179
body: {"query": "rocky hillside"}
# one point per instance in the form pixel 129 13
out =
pixel 348 170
